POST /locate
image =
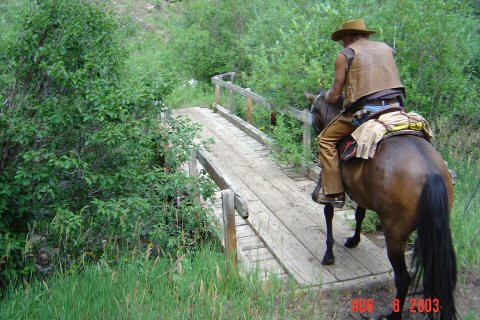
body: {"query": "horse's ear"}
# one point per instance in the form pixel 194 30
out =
pixel 310 96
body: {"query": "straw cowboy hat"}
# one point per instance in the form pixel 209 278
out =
pixel 351 26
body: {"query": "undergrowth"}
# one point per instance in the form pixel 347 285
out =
pixel 196 285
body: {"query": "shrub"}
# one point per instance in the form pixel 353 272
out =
pixel 84 159
pixel 204 37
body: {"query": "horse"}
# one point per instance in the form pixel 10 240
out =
pixel 409 186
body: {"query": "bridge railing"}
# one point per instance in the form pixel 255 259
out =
pixel 221 83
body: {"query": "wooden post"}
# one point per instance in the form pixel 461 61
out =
pixel 307 139
pixel 218 94
pixel 193 171
pixel 249 108
pixel 273 118
pixel 230 99
pixel 229 225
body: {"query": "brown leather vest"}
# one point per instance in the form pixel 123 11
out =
pixel 373 70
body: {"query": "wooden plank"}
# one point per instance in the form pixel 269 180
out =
pixel 229 225
pixel 371 257
pixel 276 203
pixel 244 126
pixel 245 233
pixel 238 156
pixel 249 243
pixel 240 221
pixel 290 252
pixel 249 108
pixel 270 266
pixel 230 100
pixel 307 139
pixel 222 181
pixel 218 94
pixel 258 254
pixel 255 97
pixel 295 113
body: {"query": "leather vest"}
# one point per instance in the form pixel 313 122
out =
pixel 373 69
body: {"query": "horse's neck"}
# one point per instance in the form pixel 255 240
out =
pixel 333 113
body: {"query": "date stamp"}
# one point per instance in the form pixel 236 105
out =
pixel 419 305
pixel 414 305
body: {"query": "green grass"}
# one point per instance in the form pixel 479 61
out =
pixel 189 95
pixel 195 286
pixel 458 145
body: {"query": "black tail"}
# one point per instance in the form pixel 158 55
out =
pixel 433 254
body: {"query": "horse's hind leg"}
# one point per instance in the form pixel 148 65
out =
pixel 396 255
pixel 329 258
pixel 352 242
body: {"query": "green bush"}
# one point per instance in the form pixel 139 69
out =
pixel 85 161
pixel 204 38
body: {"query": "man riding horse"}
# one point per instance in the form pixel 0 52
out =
pixel 401 177
pixel 367 71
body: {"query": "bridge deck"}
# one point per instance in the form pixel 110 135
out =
pixel 285 223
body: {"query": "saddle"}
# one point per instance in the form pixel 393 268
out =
pixel 348 147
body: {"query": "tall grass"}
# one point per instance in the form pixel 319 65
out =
pixel 459 147
pixel 193 286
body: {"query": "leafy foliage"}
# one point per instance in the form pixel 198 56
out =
pixel 85 161
pixel 284 48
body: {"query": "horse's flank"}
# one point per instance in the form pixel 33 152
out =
pixel 396 178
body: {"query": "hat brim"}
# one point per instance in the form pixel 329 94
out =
pixel 337 35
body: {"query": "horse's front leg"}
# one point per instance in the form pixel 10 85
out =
pixel 352 242
pixel 329 258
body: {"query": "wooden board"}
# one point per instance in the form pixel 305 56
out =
pixel 289 223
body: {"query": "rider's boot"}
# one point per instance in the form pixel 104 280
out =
pixel 337 199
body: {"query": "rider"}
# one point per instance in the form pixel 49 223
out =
pixel 367 71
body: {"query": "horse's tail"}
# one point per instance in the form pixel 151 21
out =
pixel 433 254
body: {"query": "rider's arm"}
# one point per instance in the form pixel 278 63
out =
pixel 335 93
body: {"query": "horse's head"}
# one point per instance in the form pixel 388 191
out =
pixel 322 111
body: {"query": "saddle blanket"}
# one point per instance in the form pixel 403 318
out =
pixel 371 132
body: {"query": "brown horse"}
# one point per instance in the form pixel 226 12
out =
pixel 409 186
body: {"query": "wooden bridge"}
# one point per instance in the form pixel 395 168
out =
pixel 285 231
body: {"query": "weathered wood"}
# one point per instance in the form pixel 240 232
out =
pixel 249 108
pixel 293 194
pixel 229 225
pixel 307 140
pixel 258 254
pixel 300 115
pixel 245 233
pixel 225 75
pixel 218 94
pixel 230 100
pixel 282 212
pixel 250 243
pixel 255 97
pixel 193 172
pixel 250 130
pixel 222 181
pixel 295 113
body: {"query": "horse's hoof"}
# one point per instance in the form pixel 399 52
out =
pixel 351 242
pixel 328 260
